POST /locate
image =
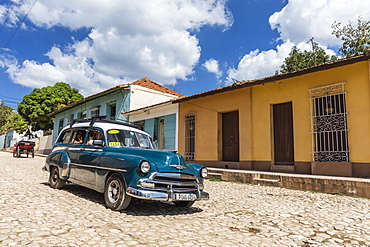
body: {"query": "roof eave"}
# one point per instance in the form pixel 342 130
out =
pixel 242 84
pixel 89 98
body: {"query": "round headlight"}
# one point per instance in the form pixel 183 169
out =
pixel 144 167
pixel 203 172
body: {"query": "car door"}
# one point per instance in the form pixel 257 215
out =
pixel 88 159
pixel 75 145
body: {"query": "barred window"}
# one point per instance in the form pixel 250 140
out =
pixel 329 124
pixel 94 112
pixel 189 120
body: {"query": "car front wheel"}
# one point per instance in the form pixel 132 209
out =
pixel 115 196
pixel 55 181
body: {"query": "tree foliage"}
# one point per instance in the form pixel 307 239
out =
pixel 6 114
pixel 40 102
pixel 19 124
pixel 356 38
pixel 298 59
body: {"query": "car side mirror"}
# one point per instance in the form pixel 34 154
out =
pixel 155 144
pixel 98 142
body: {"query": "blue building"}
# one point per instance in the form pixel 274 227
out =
pixel 112 102
pixel 160 121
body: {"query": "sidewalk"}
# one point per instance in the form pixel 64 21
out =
pixel 349 186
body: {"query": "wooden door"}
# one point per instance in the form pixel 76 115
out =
pixel 230 136
pixel 283 134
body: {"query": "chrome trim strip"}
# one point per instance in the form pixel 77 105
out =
pixel 99 167
pixel 173 175
pixel 178 167
pixel 176 183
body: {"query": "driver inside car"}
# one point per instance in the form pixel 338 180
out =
pixel 78 139
pixel 95 135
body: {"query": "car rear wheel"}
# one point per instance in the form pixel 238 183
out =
pixel 55 181
pixel 115 196
pixel 184 204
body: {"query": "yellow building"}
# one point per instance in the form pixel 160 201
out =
pixel 313 121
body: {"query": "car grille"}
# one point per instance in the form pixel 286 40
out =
pixel 175 182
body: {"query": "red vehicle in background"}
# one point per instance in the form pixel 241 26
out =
pixel 24 147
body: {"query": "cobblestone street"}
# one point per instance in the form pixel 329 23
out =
pixel 33 214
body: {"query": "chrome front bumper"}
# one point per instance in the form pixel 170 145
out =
pixel 161 196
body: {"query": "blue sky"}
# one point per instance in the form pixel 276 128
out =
pixel 191 46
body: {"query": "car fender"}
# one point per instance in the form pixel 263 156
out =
pixel 124 164
pixel 197 169
pixel 61 160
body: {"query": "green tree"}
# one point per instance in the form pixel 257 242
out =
pixel 300 60
pixel 40 102
pixel 6 114
pixel 19 124
pixel 356 38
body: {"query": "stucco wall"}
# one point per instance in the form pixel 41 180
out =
pixel 208 111
pixel 44 144
pixel 255 105
pixel 142 97
pixel 296 90
pixel 2 141
pixel 151 114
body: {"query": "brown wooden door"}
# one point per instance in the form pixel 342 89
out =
pixel 283 134
pixel 230 136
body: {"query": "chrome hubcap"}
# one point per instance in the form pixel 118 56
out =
pixel 54 178
pixel 113 191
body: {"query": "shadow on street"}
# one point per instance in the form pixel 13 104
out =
pixel 136 208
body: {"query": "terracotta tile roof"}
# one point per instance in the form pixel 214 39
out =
pixel 145 82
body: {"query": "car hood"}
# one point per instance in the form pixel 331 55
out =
pixel 165 161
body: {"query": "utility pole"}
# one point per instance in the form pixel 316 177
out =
pixel 313 50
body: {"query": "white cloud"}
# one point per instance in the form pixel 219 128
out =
pixel 212 66
pixel 128 40
pixel 300 20
pixel 258 64
pixel 296 23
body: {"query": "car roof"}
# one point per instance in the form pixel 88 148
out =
pixel 104 126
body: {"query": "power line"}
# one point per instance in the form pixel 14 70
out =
pixel 18 27
pixel 8 101
pixel 8 15
pixel 3 96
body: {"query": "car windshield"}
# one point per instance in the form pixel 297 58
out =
pixel 128 138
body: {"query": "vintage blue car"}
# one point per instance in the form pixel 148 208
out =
pixel 121 161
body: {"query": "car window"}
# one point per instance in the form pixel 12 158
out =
pixel 65 137
pixel 78 136
pixel 94 135
pixel 126 138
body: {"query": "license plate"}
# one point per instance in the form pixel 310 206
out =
pixel 185 197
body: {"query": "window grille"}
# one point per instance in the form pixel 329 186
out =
pixel 69 119
pixel 61 125
pixel 83 114
pixel 94 112
pixel 111 110
pixel 329 124
pixel 189 120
